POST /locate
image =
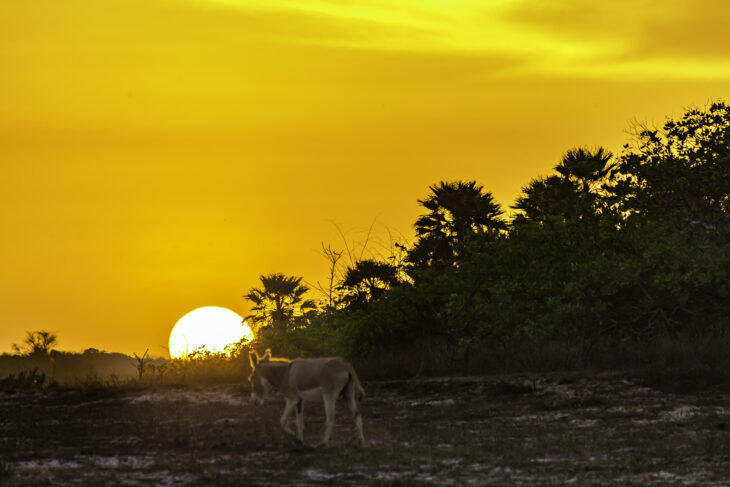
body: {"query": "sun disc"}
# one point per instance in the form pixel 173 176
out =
pixel 211 328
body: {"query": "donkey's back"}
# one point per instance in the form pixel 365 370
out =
pixel 317 379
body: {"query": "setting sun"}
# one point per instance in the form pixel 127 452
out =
pixel 210 328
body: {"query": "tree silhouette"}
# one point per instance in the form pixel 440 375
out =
pixel 330 291
pixel 457 211
pixel 610 252
pixel 367 281
pixel 278 301
pixel 585 167
pixel 681 172
pixel 37 343
pixel 572 193
pixel 142 363
pixel 547 198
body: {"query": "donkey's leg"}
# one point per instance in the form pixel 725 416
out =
pixel 288 409
pixel 329 409
pixel 355 413
pixel 300 420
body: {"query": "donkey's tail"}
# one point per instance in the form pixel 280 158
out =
pixel 359 391
pixel 354 382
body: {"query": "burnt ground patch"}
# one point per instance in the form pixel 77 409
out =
pixel 549 430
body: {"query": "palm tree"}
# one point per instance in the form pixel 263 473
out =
pixel 547 198
pixel 586 167
pixel 571 194
pixel 278 301
pixel 367 281
pixel 456 211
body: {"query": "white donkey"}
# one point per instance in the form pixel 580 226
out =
pixel 310 379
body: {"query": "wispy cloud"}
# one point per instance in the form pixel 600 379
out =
pixel 646 39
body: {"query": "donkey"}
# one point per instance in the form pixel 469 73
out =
pixel 304 380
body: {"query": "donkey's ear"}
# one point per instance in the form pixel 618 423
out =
pixel 267 355
pixel 253 357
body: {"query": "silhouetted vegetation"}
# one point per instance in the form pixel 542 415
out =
pixel 142 363
pixel 607 253
pixel 95 370
pixel 36 343
pixel 23 381
pixel 610 261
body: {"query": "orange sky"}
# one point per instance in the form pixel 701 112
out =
pixel 158 155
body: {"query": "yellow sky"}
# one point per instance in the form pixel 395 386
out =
pixel 158 155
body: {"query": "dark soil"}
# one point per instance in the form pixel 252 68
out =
pixel 551 430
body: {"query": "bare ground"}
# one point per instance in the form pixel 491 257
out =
pixel 516 430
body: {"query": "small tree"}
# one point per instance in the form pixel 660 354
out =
pixel 142 362
pixel 36 343
pixel 329 290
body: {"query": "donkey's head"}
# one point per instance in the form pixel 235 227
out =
pixel 260 386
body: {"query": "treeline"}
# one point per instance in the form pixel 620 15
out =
pixel 606 251
pixel 36 365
